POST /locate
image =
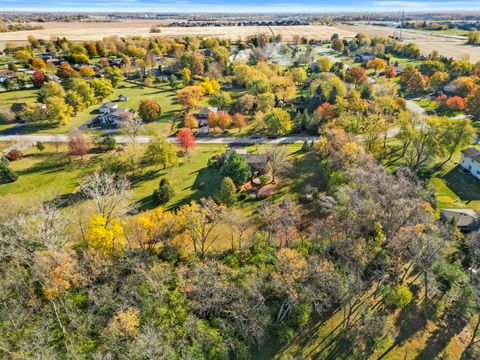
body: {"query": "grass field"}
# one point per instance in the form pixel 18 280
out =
pixel 446 32
pixel 135 93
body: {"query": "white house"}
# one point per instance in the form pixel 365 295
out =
pixel 108 107
pixel 470 160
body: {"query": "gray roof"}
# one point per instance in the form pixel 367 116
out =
pixel 472 153
pixel 461 217
pixel 207 110
pixel 118 112
pixel 109 105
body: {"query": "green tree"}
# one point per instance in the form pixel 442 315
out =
pixel 236 168
pixel 102 88
pixel 7 175
pixel 278 122
pixel 114 74
pixel 160 151
pixel 50 89
pixel 222 100
pixel 228 191
pixel 164 192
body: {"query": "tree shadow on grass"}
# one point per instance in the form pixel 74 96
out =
pixel 441 337
pixel 464 185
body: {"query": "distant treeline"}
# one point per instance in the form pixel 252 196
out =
pixel 436 25
pixel 18 27
pixel 237 23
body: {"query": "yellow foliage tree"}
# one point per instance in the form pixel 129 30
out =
pixel 107 237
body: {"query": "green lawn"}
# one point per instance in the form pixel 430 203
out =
pixel 446 32
pixel 135 93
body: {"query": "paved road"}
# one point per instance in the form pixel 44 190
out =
pixel 29 140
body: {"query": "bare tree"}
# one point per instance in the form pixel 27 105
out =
pixel 108 192
pixel 238 225
pixel 200 220
pixel 276 160
pixel 132 125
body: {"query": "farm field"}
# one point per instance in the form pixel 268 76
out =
pixel 427 42
pixel 82 31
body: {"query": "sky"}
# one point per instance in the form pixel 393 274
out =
pixel 250 6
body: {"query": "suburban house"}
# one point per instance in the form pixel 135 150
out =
pixel 114 117
pixel 202 115
pixel 364 57
pixel 7 75
pixel 465 220
pixel 107 107
pixel 470 161
pixel 257 162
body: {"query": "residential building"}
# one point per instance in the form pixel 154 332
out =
pixel 470 161
pixel 465 220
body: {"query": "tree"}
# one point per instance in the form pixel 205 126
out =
pixel 39 145
pixel 298 75
pixel 399 296
pixel 438 79
pixel 186 76
pixel 276 160
pixel 78 143
pixel 265 102
pixel 106 236
pixel 160 151
pixel 87 72
pixel 455 134
pixel 337 45
pixel 390 72
pixel 239 121
pixel 376 64
pixel 114 74
pixel 149 110
pixel 186 139
pixel 222 100
pixel 325 64
pixel 190 122
pixel 79 59
pixel 246 103
pixel 472 102
pixel 65 71
pixel 190 96
pixel 164 192
pixel 357 76
pixel 37 63
pixel 228 191
pixel 278 122
pixel 38 79
pixel 412 80
pixel 463 85
pixel 108 143
pixel 132 125
pixel 236 168
pixel 57 111
pixel 7 175
pixel 108 192
pixel 200 220
pixel 50 89
pixel 102 88
pixel 211 86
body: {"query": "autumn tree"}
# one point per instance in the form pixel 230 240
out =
pixel 357 76
pixel 190 96
pixel 376 64
pixel 411 79
pixel 149 110
pixel 222 100
pixel 278 122
pixel 239 121
pixel 132 125
pixel 162 152
pixel 390 72
pixel 106 236
pixel 200 221
pixel 190 122
pixel 186 139
pixel 472 102
pixel 325 64
pixel 78 143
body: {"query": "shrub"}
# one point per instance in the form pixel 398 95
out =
pixel 7 116
pixel 7 175
pixel 164 192
pixel 14 154
pixel 398 297
pixel 108 143
pixel 39 145
pixel 265 192
pixel 265 179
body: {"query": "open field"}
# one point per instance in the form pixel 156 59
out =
pixel 97 30
pixel 447 45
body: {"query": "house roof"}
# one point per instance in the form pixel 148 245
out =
pixel 472 153
pixel 207 110
pixel 118 112
pixel 462 217
pixel 109 105
pixel 257 160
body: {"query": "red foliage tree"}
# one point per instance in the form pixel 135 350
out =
pixel 390 72
pixel 78 144
pixel 186 139
pixel 326 110
pixel 38 79
pixel 14 154
pixel 455 103
pixel 356 75
pixel 441 100
pixel 65 71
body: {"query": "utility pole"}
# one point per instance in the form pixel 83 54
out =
pixel 401 24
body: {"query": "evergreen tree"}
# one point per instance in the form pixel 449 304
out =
pixel 236 168
pixel 227 191
pixel 164 192
pixel 7 175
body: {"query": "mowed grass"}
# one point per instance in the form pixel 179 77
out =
pixel 50 175
pixel 135 93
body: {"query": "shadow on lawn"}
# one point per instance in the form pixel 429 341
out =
pixel 464 185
